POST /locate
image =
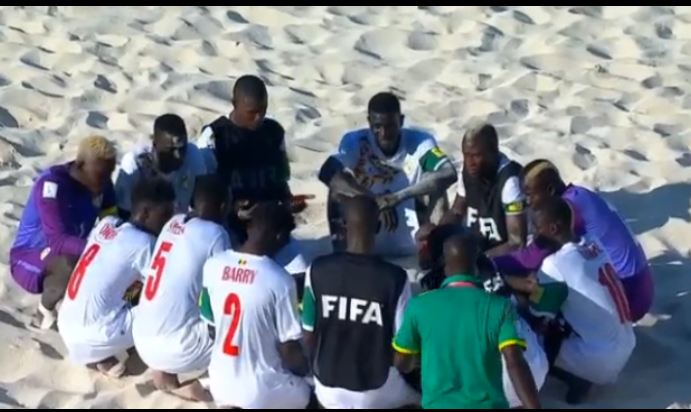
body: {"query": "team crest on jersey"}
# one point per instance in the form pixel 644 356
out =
pixel 590 250
pixel 176 228
pixel 108 232
pixel 242 262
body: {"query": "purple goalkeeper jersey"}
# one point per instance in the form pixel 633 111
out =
pixel 60 213
pixel 594 216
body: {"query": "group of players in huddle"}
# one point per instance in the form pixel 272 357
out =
pixel 188 259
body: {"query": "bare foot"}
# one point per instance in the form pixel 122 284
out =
pixel 193 391
pixel 165 381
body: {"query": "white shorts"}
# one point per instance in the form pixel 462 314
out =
pixel 535 357
pixel 294 393
pixel 395 393
pixel 598 364
pixel 97 342
pixel 188 350
pixel 400 242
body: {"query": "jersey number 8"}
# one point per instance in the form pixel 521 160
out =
pixel 80 270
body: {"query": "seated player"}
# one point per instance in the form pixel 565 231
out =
pixel 169 334
pixel 257 360
pixel 95 321
pixel 353 306
pixel 580 294
pixel 402 168
pixel 461 333
pixel 490 199
pixel 431 241
pixel 51 235
pixel 170 156
pixel 594 217
pixel 247 150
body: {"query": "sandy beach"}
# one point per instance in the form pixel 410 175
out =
pixel 603 92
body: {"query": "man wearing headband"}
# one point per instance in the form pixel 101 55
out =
pixel 592 216
pixel 170 156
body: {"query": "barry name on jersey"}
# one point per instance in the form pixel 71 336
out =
pixel 352 309
pixel 239 275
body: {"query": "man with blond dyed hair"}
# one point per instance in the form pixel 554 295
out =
pixel 63 206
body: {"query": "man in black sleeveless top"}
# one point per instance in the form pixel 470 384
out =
pixel 490 200
pixel 353 305
pixel 248 151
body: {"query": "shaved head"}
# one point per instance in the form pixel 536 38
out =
pixel 361 216
pixel 460 254
pixel 480 149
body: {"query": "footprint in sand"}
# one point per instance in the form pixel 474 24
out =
pixel 583 158
pixel 6 118
pixel 48 350
pixel 97 120
pixel 103 83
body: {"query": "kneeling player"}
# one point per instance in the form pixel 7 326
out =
pixel 581 295
pixel 169 334
pixel 430 240
pixel 257 360
pixel 353 306
pixel 95 321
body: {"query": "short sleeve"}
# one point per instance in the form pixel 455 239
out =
pixel 124 182
pixel 196 158
pixel 142 257
pixel 402 305
pixel 287 320
pixel 205 310
pixel 460 186
pixel 512 196
pixel 548 299
pixel 427 153
pixel 407 340
pixel 207 149
pixel 220 244
pixel 349 150
pixel 508 333
pixel 309 309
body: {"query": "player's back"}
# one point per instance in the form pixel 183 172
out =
pixel 174 278
pixel 113 259
pixel 248 295
pixel 596 307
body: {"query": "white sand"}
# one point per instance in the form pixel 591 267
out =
pixel 602 91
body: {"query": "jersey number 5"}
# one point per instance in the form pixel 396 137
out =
pixel 80 270
pixel 608 278
pixel 159 262
pixel 234 309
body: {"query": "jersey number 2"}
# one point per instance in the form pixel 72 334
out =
pixel 159 262
pixel 234 309
pixel 80 270
pixel 608 278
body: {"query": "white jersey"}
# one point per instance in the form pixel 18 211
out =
pixel 168 317
pixel 418 153
pixel 254 304
pixel 596 308
pixel 94 315
pixel 131 169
